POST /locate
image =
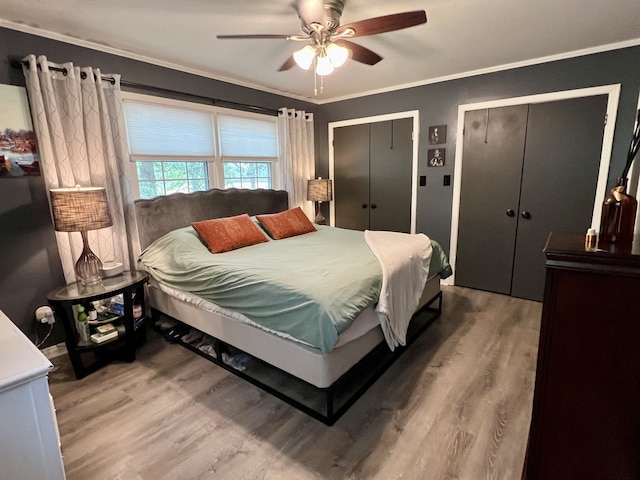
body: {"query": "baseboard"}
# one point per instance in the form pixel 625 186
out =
pixel 55 351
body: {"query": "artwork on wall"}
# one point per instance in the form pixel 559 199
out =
pixel 18 151
pixel 436 157
pixel 437 134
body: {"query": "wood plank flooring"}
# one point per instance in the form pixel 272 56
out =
pixel 456 405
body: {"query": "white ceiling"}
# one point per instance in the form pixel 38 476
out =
pixel 461 37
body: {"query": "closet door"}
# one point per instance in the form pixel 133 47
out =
pixel 527 171
pixel 351 176
pixel 489 197
pixel 390 161
pixel 559 179
pixel 373 175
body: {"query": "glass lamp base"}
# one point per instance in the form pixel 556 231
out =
pixel 88 267
pixel 320 220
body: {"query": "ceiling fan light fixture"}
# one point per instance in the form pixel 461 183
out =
pixel 304 57
pixel 324 65
pixel 337 54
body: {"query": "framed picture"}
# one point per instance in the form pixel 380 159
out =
pixel 18 151
pixel 436 157
pixel 437 134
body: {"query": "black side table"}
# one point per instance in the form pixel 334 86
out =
pixel 130 284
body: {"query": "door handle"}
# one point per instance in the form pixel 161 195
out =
pixel 364 205
pixel 511 212
pixel 525 214
pixel 374 206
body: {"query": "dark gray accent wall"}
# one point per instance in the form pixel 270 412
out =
pixel 438 105
pixel 29 265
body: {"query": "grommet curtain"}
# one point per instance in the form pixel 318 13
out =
pixel 79 124
pixel 297 156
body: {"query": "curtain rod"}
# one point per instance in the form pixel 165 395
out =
pixel 141 86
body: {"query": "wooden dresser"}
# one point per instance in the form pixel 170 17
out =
pixel 586 409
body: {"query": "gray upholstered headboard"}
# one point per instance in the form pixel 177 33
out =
pixel 160 215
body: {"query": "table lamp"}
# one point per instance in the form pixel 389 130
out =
pixel 80 209
pixel 319 190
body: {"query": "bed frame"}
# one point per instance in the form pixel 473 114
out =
pixel 321 385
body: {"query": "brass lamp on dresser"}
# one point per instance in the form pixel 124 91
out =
pixel 586 409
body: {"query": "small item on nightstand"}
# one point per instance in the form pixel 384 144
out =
pixel 103 337
pixel 106 328
pixel 83 324
pixel 111 269
pixel 591 239
pixel 116 305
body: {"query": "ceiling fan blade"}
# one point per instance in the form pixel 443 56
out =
pixel 386 23
pixel 288 64
pixel 259 35
pixel 311 11
pixel 359 53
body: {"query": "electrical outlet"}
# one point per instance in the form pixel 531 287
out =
pixel 44 314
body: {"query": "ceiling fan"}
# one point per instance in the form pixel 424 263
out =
pixel 328 46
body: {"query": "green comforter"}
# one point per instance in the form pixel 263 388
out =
pixel 310 286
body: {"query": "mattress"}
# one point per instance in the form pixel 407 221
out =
pixel 296 358
pixel 309 286
pixel 365 321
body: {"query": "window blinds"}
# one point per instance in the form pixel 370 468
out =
pixel 247 138
pixel 158 131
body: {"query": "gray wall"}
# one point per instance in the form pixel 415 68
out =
pixel 29 266
pixel 438 105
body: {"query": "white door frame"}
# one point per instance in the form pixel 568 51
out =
pixel 414 170
pixel 613 93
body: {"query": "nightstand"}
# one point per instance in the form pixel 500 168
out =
pixel 131 285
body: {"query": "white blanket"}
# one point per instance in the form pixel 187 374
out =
pixel 405 262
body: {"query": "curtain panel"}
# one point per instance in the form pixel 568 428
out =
pixel 79 124
pixel 297 156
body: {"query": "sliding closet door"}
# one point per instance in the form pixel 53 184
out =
pixel 351 176
pixel 391 156
pixel 559 179
pixel 494 143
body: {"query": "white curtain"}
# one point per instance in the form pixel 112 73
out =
pixel 297 156
pixel 79 124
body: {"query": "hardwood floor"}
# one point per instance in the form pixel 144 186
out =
pixel 456 405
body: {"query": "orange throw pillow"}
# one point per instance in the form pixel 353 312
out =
pixel 228 233
pixel 286 224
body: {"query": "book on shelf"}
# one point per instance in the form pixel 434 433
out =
pixel 103 337
pixel 106 328
pixel 105 317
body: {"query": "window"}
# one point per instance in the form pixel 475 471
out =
pixel 247 175
pixel 183 147
pixel 246 145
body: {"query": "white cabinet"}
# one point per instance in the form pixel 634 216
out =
pixel 29 439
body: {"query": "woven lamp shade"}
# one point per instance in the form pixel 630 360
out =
pixel 320 190
pixel 80 209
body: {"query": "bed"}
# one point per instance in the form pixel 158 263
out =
pixel 331 372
